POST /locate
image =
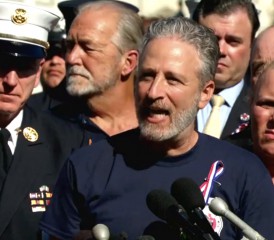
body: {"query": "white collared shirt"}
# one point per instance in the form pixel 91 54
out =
pixel 230 95
pixel 13 128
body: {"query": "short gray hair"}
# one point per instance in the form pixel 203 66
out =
pixel 129 28
pixel 202 38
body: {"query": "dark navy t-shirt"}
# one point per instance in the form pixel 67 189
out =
pixel 108 183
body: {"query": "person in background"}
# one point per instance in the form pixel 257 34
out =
pixel 235 23
pixel 109 181
pixel 262 52
pixel 53 75
pixel 54 68
pixel 262 117
pixel 102 56
pixel 33 145
pixel 69 9
pixel 256 136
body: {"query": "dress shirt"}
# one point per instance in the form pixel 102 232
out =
pixel 13 128
pixel 230 95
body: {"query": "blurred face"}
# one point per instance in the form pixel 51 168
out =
pixel 263 52
pixel 18 77
pixel 94 61
pixel 168 88
pixel 53 71
pixel 234 34
pixel 263 115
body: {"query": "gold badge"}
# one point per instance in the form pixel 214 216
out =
pixel 19 16
pixel 30 134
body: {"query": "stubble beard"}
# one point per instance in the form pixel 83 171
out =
pixel 87 85
pixel 179 122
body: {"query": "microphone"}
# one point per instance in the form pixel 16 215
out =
pixel 219 207
pixel 100 232
pixel 189 195
pixel 164 206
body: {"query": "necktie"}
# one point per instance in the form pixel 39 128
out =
pixel 5 152
pixel 213 124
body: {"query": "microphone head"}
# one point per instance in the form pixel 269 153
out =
pixel 100 232
pixel 218 206
pixel 188 194
pixel 159 202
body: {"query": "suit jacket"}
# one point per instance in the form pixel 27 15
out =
pixel 241 107
pixel 28 186
pixel 242 139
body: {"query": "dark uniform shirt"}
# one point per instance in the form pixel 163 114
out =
pixel 108 183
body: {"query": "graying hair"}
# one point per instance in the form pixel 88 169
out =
pixel 129 28
pixel 202 38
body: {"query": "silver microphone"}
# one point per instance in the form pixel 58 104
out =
pixel 219 207
pixel 100 232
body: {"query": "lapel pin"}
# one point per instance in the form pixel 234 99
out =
pixel 30 134
pixel 244 117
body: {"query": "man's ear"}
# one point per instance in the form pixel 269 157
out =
pixel 130 62
pixel 206 94
pixel 38 74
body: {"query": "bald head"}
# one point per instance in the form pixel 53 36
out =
pixel 263 51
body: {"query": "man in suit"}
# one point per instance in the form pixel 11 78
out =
pixel 235 23
pixel 36 144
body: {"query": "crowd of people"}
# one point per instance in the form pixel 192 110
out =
pixel 126 110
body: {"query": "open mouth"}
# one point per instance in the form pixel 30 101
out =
pixel 154 111
pixel 155 115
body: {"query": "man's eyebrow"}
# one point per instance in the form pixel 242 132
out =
pixel 234 38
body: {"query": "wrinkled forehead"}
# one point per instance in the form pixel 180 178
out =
pixel 102 24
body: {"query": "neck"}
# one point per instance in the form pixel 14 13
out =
pixel 178 145
pixel 114 110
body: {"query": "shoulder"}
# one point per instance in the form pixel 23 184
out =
pixel 70 110
pixel 106 148
pixel 228 152
pixel 240 166
pixel 51 125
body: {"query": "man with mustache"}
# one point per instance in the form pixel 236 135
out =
pixel 235 23
pixel 102 56
pixel 33 145
pixel 108 182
